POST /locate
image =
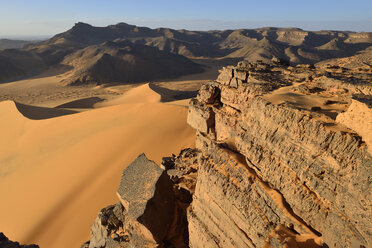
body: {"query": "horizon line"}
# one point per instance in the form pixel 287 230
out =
pixel 91 23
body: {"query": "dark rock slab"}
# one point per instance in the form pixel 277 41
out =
pixel 137 185
pixel 146 193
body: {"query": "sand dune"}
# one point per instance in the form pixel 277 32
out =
pixel 39 113
pixel 140 94
pixel 81 103
pixel 56 174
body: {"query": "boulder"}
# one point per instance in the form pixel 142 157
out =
pixel 146 193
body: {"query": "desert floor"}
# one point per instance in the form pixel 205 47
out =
pixel 63 148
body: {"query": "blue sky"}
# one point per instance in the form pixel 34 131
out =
pixel 48 17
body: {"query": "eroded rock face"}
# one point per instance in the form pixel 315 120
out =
pixel 108 230
pixel 283 159
pixel 6 243
pixel 152 207
pixel 279 167
pixel 146 193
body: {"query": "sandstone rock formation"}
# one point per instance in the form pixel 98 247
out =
pixel 6 243
pixel 283 159
pixel 151 211
pixel 279 166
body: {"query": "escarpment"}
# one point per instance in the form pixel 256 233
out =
pixel 283 159
pixel 304 171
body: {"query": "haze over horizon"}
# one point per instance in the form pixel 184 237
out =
pixel 21 18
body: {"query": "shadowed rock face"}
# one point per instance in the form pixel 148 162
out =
pixel 150 213
pixel 137 185
pixel 146 193
pixel 6 243
pixel 282 159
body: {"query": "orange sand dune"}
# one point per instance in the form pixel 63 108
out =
pixel 140 94
pixel 56 174
pixel 39 113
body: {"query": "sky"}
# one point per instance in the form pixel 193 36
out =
pixel 37 18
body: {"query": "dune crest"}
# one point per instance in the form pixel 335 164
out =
pixel 19 110
pixel 9 108
pixel 140 94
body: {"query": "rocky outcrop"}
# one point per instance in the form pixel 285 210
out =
pixel 279 162
pixel 280 171
pixel 152 207
pixel 6 243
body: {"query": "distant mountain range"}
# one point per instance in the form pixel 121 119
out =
pixel 10 44
pixel 124 61
pixel 124 53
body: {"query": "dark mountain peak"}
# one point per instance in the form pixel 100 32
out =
pixel 275 29
pixel 124 24
pixel 80 25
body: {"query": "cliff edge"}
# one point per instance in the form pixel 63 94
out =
pixel 283 159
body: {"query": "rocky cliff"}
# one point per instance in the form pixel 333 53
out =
pixel 283 159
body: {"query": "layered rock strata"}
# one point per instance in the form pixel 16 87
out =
pixel 280 164
pixel 282 159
